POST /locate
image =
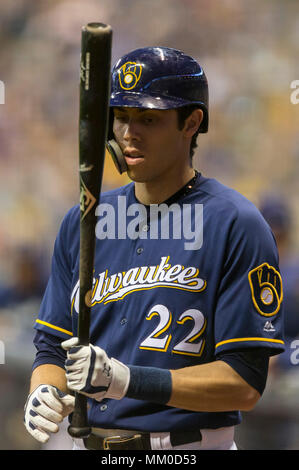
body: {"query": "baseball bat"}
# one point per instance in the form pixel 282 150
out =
pixel 94 90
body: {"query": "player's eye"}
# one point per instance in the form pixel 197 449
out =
pixel 148 119
pixel 121 118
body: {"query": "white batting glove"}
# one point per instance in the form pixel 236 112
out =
pixel 45 408
pixel 90 372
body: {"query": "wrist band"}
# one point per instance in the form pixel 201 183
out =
pixel 150 384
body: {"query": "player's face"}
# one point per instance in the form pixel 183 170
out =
pixel 152 143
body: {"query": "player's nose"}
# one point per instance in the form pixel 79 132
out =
pixel 131 131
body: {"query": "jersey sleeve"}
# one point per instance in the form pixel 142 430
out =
pixel 249 312
pixel 55 311
pixel 48 350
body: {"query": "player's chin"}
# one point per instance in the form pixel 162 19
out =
pixel 137 175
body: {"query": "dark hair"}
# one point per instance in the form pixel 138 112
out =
pixel 183 113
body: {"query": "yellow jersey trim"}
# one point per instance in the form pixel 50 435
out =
pixel 236 340
pixel 54 327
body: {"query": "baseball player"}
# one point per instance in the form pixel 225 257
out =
pixel 182 328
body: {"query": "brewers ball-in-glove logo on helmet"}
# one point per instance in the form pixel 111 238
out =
pixel 156 78
pixel 129 75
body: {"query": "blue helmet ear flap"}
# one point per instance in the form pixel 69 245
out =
pixel 117 155
pixel 114 149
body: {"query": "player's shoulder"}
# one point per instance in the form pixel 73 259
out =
pixel 230 203
pixel 235 217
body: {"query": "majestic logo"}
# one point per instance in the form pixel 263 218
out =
pixel 129 75
pixel 266 289
pixel 269 327
pixel 114 287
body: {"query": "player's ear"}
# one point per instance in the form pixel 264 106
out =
pixel 193 122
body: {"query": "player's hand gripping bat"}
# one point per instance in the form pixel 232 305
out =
pixel 96 44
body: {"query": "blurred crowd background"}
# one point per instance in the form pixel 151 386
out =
pixel 249 50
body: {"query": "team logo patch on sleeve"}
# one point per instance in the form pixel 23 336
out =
pixel 266 289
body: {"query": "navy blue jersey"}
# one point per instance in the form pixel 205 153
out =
pixel 156 303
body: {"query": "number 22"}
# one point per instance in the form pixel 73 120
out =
pixel 188 346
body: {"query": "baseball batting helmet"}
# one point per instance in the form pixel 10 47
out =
pixel 156 78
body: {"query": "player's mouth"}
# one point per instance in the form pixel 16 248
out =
pixel 133 157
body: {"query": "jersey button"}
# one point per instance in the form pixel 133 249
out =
pixel 103 407
pixel 139 250
pixel 123 321
pixel 145 228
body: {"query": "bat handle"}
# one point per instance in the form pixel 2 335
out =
pixel 79 427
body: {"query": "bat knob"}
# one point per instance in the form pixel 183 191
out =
pixel 79 433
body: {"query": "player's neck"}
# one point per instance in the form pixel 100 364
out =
pixel 160 189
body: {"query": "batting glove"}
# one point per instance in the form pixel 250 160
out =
pixel 90 372
pixel 45 407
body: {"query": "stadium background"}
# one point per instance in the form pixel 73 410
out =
pixel 249 51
